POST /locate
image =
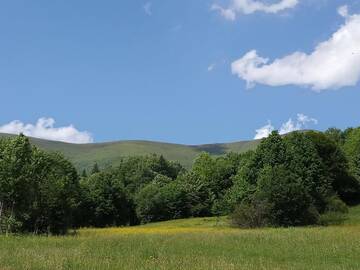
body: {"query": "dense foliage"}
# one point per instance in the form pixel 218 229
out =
pixel 301 179
pixel 295 180
pixel 38 190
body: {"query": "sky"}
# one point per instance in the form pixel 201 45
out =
pixel 189 72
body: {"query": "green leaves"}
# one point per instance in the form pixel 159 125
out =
pixel 294 180
pixel 104 201
pixel 38 190
pixel 289 180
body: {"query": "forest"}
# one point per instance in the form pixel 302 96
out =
pixel 302 178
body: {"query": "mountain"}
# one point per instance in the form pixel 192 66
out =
pixel 85 155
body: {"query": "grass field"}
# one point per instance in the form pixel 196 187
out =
pixel 85 155
pixel 201 243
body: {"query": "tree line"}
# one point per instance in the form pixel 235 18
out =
pixel 303 178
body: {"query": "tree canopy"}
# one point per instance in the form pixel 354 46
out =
pixel 302 178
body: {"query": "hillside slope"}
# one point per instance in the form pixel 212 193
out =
pixel 85 155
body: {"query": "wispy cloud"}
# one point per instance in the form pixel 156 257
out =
pixel 148 8
pixel 252 6
pixel 227 13
pixel 333 64
pixel 44 129
pixel 343 11
pixel 211 67
pixel 302 122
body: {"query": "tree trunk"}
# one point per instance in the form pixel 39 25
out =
pixel 8 227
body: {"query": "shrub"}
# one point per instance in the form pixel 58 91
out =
pixel 251 215
pixel 335 214
pixel 156 202
pixel 289 201
pixel 334 204
pixel 332 218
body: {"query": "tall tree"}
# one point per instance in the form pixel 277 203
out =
pixel 304 160
pixel 336 164
pixel 15 180
pixel 56 185
pixel 105 201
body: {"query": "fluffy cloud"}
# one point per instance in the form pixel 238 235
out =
pixel 300 123
pixel 44 129
pixel 251 6
pixel 264 131
pixel 333 64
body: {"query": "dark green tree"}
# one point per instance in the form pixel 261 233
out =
pixel 271 152
pixel 288 201
pixel 337 167
pixel 38 190
pixel 304 161
pixel 105 202
pixel 216 176
pixel 84 174
pixel 56 188
pixel 16 181
pixel 156 202
pixel 95 169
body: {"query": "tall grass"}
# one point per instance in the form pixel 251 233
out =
pixel 189 244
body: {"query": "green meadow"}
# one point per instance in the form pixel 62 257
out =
pixel 200 243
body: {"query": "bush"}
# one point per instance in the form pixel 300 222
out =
pixel 156 202
pixel 332 218
pixel 10 225
pixel 289 201
pixel 335 214
pixel 334 204
pixel 251 215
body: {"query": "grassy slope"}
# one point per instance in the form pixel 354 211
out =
pixel 84 156
pixel 202 243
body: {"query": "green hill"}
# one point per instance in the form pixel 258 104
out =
pixel 85 155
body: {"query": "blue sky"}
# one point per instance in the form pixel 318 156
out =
pixel 162 70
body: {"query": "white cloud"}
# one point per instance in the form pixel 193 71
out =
pixel 148 8
pixel 343 11
pixel 333 63
pixel 304 119
pixel 251 6
pixel 264 131
pixel 44 129
pixel 227 13
pixel 302 122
